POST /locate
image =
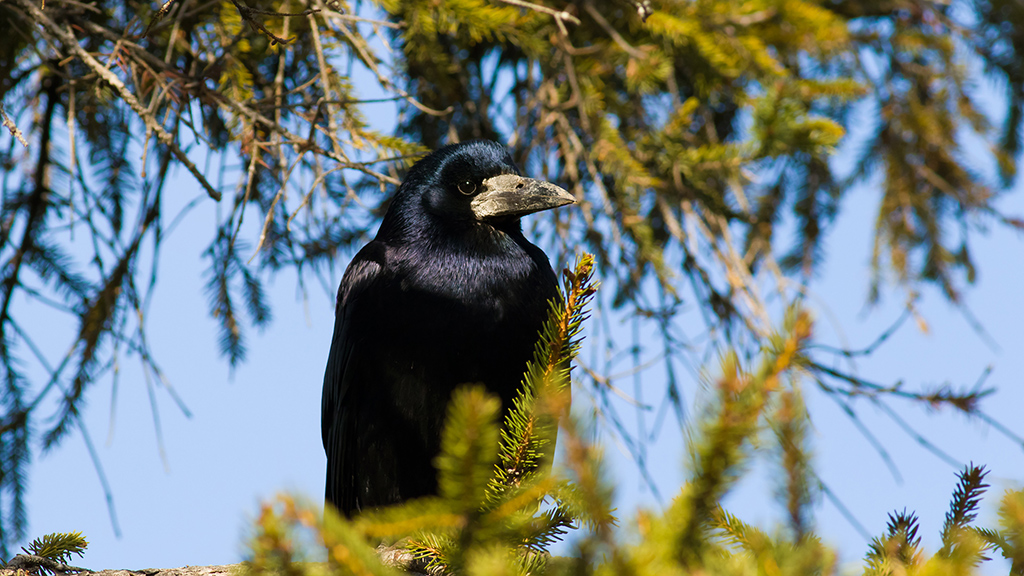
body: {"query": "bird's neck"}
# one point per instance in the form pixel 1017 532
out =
pixel 477 238
pixel 469 236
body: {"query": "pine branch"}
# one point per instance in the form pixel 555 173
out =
pixel 248 13
pixel 51 554
pixel 58 546
pixel 739 532
pixel 795 490
pixel 900 545
pixel 469 443
pixel 530 426
pixel 38 201
pixel 963 508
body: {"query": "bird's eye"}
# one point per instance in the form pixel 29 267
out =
pixel 467 187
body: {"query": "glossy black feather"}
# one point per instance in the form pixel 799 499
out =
pixel 439 298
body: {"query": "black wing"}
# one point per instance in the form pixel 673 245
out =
pixel 339 425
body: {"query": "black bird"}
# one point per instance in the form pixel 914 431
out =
pixel 449 292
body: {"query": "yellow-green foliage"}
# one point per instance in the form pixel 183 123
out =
pixel 498 506
pixel 58 546
pixel 486 521
pixel 596 99
pixel 689 131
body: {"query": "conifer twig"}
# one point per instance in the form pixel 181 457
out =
pixel 12 127
pixel 528 426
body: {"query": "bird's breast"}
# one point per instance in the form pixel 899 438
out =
pixel 469 306
pixel 491 285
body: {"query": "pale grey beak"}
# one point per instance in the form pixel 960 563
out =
pixel 509 195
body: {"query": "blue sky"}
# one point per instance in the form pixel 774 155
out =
pixel 255 431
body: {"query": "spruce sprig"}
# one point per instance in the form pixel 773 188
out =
pixel 900 545
pixel 468 445
pixel 527 440
pixel 963 508
pixel 736 531
pixel 795 486
pixel 58 546
pixel 471 531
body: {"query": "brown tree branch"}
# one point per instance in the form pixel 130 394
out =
pixel 31 563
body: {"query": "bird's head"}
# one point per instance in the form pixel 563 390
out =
pixel 472 182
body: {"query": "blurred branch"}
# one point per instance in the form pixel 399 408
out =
pixel 36 201
pixel 601 21
pixel 12 127
pixel 558 15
